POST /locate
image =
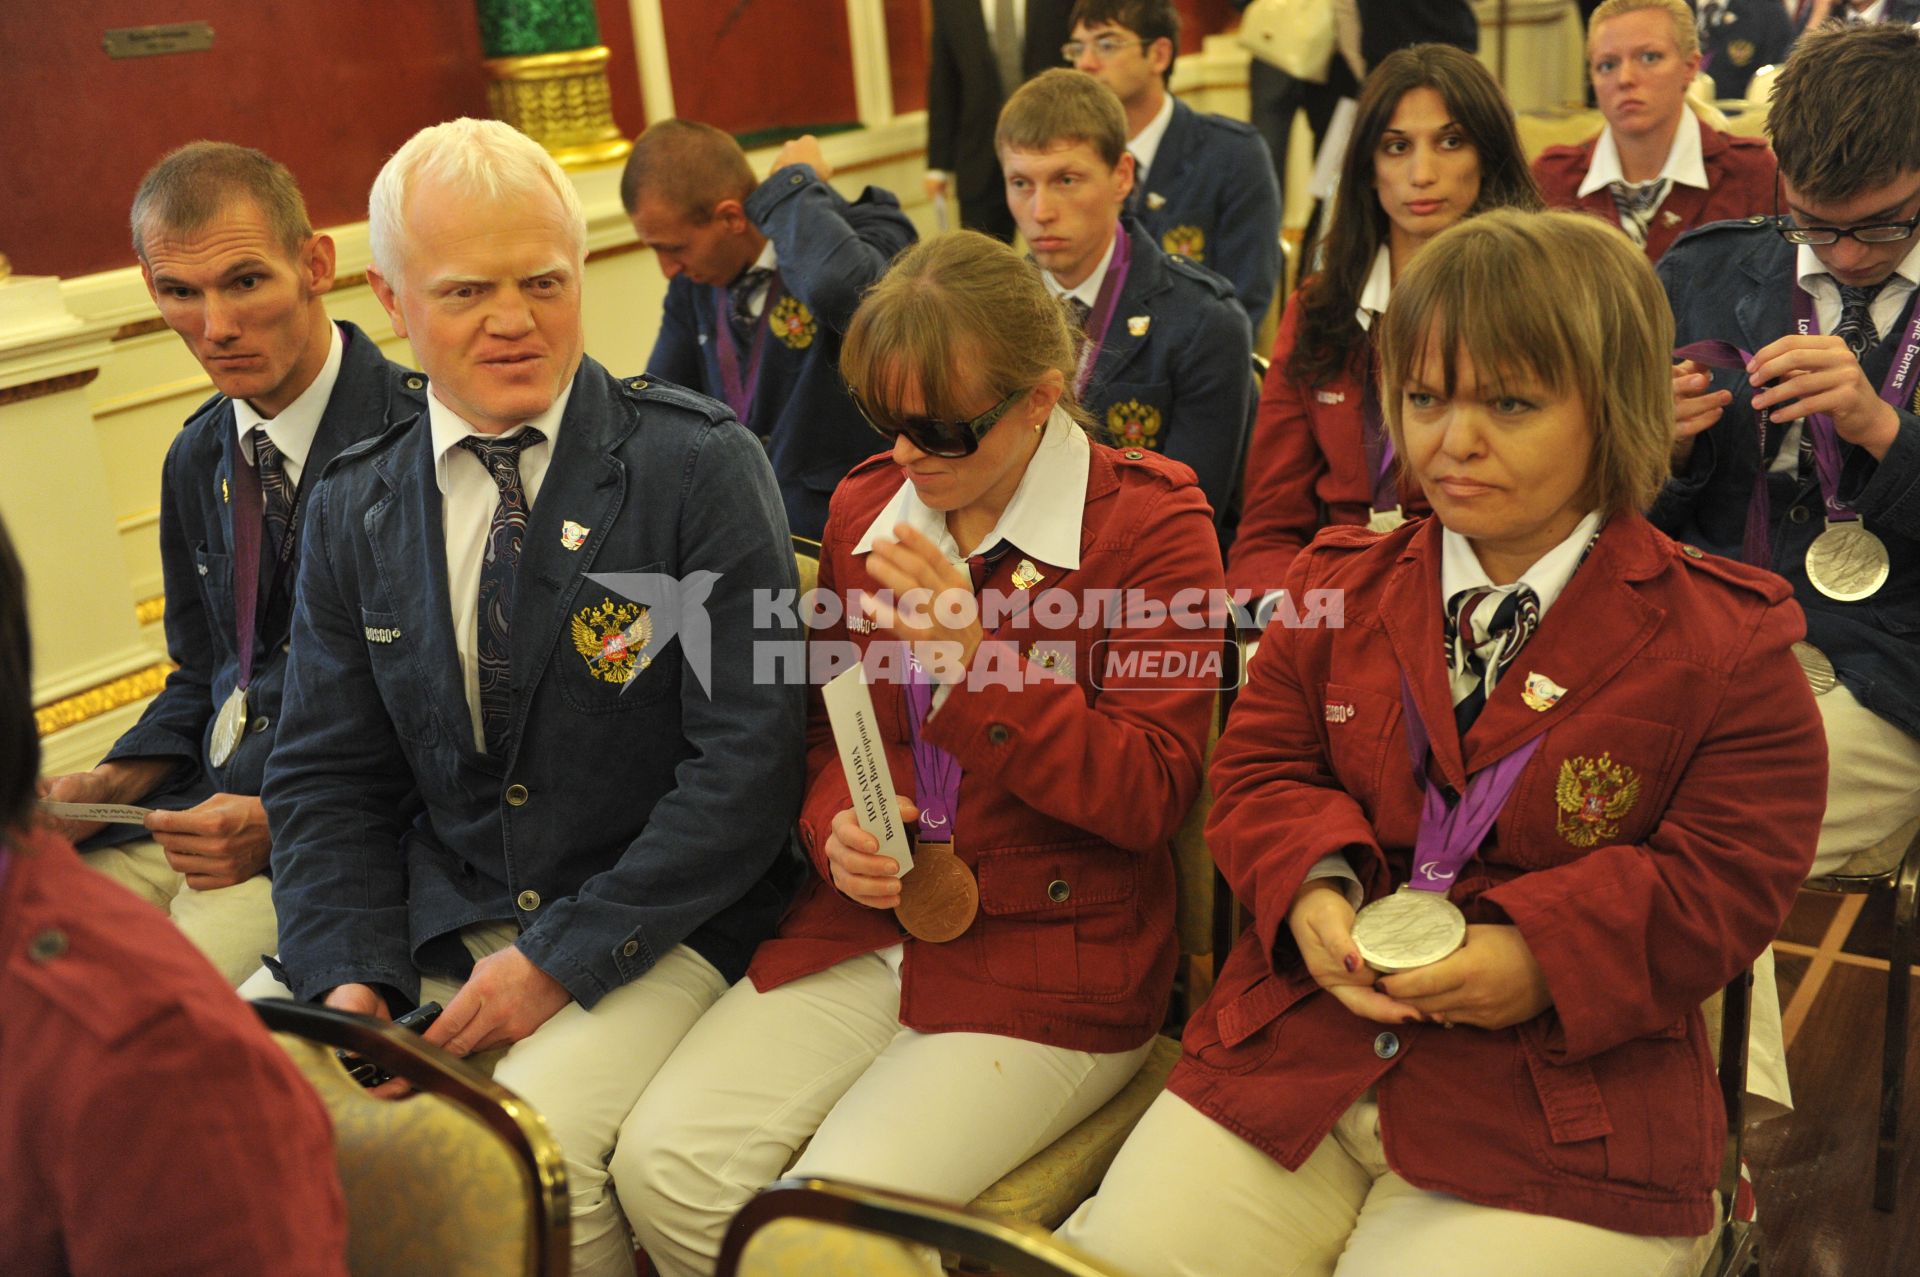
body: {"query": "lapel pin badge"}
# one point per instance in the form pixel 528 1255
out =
pixel 1026 576
pixel 1139 324
pixel 573 535
pixel 1541 693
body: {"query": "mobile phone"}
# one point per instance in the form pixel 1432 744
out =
pixel 365 1071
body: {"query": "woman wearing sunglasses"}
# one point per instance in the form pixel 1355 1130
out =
pixel 1043 679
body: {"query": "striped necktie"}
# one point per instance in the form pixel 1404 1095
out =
pixel 1635 203
pixel 1486 628
pixel 277 493
pixel 501 457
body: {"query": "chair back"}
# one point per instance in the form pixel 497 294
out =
pixel 797 1227
pixel 460 1179
pixel 806 559
pixel 1736 1247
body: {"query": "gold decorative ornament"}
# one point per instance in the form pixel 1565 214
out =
pixel 103 699
pixel 1593 794
pixel 1134 424
pixel 149 611
pixel 1186 241
pixel 793 323
pixel 613 638
pixel 562 101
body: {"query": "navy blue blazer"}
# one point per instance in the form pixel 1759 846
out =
pixel 829 252
pixel 1175 372
pixel 196 563
pixel 622 818
pixel 1742 38
pixel 1732 280
pixel 1211 196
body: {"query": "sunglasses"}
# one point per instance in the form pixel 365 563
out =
pixel 942 438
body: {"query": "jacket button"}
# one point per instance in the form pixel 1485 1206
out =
pixel 285 648
pixel 1799 514
pixel 1133 454
pixel 638 383
pixel 528 901
pixel 48 945
pixel 998 734
pixel 1386 1046
pixel 796 179
pixel 1058 890
pixel 1693 552
pixel 630 948
pixel 260 723
pixel 516 795
pixel 416 383
pixel 203 569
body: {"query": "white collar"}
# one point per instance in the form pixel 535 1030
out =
pixel 292 431
pixel 1041 520
pixel 1377 291
pixel 1089 289
pixel 449 427
pixel 1460 567
pixel 1145 144
pixel 768 259
pixel 1814 279
pixel 1686 160
pixel 1872 13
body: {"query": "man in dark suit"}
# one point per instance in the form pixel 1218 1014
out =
pixel 1738 37
pixel 228 255
pixel 765 278
pixel 1203 185
pixel 489 607
pixel 1386 25
pixel 972 67
pixel 1167 365
pixel 1824 300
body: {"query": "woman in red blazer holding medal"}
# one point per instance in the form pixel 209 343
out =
pixel 1433 142
pixel 1573 773
pixel 929 1032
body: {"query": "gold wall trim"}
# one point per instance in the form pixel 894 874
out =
pixel 147 611
pixel 103 699
pixel 49 386
pixel 562 101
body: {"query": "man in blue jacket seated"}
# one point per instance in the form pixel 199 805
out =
pixel 1805 458
pixel 1203 185
pixel 227 253
pixel 490 603
pixel 1167 366
pixel 765 278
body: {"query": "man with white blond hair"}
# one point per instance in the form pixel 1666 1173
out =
pixel 501 785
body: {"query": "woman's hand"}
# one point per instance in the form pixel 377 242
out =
pixel 1490 982
pixel 855 864
pixel 932 604
pixel 1321 920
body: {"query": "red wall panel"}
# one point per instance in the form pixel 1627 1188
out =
pixel 908 29
pixel 1202 18
pixel 750 66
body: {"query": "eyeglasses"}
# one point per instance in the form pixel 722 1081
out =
pixel 943 438
pixel 1105 46
pixel 1876 233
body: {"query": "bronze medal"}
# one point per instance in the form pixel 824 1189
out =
pixel 938 896
pixel 1847 563
pixel 1816 666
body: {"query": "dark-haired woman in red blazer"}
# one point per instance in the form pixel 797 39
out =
pixel 1573 773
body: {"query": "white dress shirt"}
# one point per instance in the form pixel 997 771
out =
pixel 768 260
pixel 292 431
pixel 470 497
pixel 1377 291
pixel 1686 163
pixel 1088 290
pixel 1145 144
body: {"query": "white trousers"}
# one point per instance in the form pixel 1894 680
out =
pixel 582 1071
pixel 825 1059
pixel 1188 1198
pixel 1873 779
pixel 233 926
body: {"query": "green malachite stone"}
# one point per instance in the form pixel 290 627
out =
pixel 516 28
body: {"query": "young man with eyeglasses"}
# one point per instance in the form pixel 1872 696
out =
pixel 1798 447
pixel 1203 185
pixel 1656 170
pixel 1167 364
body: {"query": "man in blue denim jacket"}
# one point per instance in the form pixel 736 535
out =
pixel 1845 256
pixel 490 606
pixel 233 264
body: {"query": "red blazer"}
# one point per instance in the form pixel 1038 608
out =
pixel 1071 792
pixel 1739 184
pixel 1306 468
pixel 1689 731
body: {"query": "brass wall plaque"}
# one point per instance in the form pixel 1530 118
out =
pixel 145 42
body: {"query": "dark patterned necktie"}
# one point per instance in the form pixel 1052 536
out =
pixel 1856 318
pixel 740 300
pixel 1635 204
pixel 501 457
pixel 277 495
pixel 1485 646
pixel 1077 311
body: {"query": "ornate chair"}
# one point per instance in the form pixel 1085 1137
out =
pixel 797 1227
pixel 806 557
pixel 460 1179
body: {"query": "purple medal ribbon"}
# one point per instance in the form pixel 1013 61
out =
pixel 1450 833
pixel 936 773
pixel 739 392
pixel 1826 440
pixel 1754 541
pixel 1105 303
pixel 1386 492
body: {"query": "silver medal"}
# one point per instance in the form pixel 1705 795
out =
pixel 229 725
pixel 1847 563
pixel 1408 929
pixel 1815 665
